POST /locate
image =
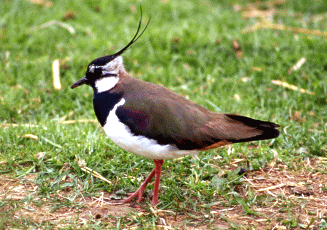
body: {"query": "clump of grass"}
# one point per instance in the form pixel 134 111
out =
pixel 188 48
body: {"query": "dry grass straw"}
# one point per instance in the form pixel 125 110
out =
pixel 56 75
pixel 53 22
pixel 82 164
pixel 291 87
pixel 274 26
pixel 68 122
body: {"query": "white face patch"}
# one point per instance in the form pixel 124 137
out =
pixel 114 64
pixel 111 67
pixel 106 83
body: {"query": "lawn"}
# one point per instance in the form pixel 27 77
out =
pixel 262 59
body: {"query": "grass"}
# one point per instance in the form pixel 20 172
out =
pixel 187 48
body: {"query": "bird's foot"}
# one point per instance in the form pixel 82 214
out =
pixel 138 193
pixel 154 201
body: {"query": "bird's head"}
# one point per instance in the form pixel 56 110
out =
pixel 102 74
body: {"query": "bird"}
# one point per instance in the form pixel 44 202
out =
pixel 157 123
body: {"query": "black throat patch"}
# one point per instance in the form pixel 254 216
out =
pixel 103 103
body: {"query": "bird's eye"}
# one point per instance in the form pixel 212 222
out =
pixel 95 70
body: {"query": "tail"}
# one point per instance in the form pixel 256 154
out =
pixel 263 129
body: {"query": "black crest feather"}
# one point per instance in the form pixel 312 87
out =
pixel 135 38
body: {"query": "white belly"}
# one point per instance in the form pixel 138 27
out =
pixel 121 135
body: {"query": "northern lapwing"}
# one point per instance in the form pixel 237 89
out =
pixel 157 123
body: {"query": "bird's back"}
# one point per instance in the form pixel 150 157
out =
pixel 165 116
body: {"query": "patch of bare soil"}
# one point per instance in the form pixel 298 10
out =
pixel 286 194
pixel 280 196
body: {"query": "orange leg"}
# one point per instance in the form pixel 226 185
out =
pixel 157 168
pixel 139 192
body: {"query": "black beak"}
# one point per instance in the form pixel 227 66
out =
pixel 81 81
